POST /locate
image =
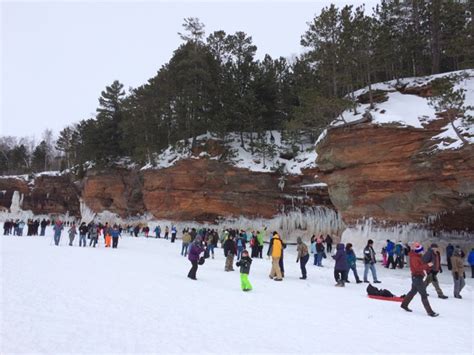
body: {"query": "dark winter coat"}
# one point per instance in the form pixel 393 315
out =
pixel 449 251
pixel 194 251
pixel 417 266
pixel 434 257
pixel 341 258
pixel 369 255
pixel 229 247
pixel 244 264
pixel 83 229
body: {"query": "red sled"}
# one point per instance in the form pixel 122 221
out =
pixel 393 299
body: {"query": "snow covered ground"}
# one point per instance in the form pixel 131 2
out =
pixel 137 299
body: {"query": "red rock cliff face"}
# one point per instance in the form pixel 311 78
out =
pixel 393 174
pixel 43 194
pixel 204 190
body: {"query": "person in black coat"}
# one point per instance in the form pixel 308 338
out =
pixel 244 263
pixel 230 249
pixel 449 254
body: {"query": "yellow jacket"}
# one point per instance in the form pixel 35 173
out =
pixel 276 246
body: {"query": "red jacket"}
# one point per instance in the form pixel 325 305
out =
pixel 417 266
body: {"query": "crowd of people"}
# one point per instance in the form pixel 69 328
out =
pixel 200 244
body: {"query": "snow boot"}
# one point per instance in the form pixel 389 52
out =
pixel 428 309
pixel 377 282
pixel 405 308
pixel 443 297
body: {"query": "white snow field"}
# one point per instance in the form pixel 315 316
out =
pixel 137 299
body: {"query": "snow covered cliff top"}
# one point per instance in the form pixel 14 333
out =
pixel 403 107
pixel 278 154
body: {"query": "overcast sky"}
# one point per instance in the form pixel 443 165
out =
pixel 57 57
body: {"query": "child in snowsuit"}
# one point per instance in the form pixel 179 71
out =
pixel 244 264
pixel 351 261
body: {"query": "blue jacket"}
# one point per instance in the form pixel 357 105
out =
pixel 390 248
pixel 341 258
pixel 470 258
pixel 351 257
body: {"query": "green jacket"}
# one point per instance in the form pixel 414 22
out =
pixel 260 238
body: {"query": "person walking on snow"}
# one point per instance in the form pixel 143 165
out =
pixel 470 260
pixel 82 234
pixel 457 262
pixel 449 254
pixel 260 239
pixel 229 251
pixel 369 261
pixel 351 261
pixel 390 251
pixel 94 234
pixel 72 233
pixel 303 256
pixel 328 241
pixel 244 264
pixel 418 269
pixel 115 234
pixel 174 232
pixel 434 257
pixel 58 227
pixel 194 251
pixel 275 250
pixel 186 240
pixel 157 232
pixel 340 267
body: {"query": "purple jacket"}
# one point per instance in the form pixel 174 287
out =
pixel 341 258
pixel 194 252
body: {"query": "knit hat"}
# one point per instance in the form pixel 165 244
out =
pixel 298 240
pixel 418 248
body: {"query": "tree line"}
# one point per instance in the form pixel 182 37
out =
pixel 215 83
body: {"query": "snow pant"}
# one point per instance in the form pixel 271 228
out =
pixel 399 262
pixel 329 248
pixel 82 240
pixel 472 271
pixel 166 235
pixel 239 252
pixel 94 241
pixel 450 266
pixel 458 285
pixel 354 271
pixel 43 231
pixel 303 262
pixel 390 261
pixel 173 237
pixel 260 253
pixel 340 275
pixel 184 249
pixel 108 240
pixel 275 271
pixel 254 252
pixel 115 242
pixel 319 259
pixel 229 262
pixel 417 286
pixel 384 259
pixel 57 238
pixel 192 272
pixel 433 278
pixel 244 282
pixel 71 239
pixel 372 270
pixel 315 262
